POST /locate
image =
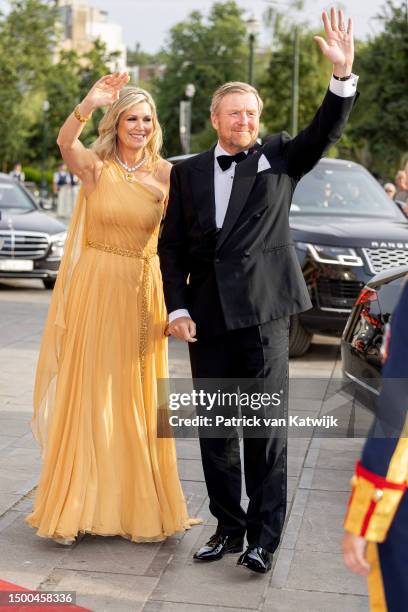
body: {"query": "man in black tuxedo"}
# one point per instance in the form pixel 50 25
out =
pixel 232 279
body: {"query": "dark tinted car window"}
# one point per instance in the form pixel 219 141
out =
pixel 342 190
pixel 388 295
pixel 12 198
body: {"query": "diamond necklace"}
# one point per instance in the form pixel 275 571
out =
pixel 130 169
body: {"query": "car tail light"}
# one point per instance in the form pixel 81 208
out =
pixel 366 296
pixel 364 299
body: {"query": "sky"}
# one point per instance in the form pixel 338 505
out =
pixel 148 21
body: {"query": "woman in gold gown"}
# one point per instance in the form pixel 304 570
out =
pixel 105 471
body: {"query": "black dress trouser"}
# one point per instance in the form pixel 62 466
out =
pixel 259 352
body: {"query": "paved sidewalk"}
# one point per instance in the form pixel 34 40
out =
pixel 115 575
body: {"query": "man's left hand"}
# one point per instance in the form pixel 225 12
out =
pixel 338 46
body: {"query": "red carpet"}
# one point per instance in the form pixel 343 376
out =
pixel 52 607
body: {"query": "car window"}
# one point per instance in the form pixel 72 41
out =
pixel 12 198
pixel 345 190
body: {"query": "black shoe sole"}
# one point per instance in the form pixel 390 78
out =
pixel 257 570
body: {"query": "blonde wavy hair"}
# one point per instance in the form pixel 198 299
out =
pixel 106 144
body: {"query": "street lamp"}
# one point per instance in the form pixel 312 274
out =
pixel 185 118
pixel 295 83
pixel 43 184
pixel 252 26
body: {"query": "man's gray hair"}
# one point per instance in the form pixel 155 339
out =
pixel 231 88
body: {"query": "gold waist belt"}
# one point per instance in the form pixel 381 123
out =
pixel 108 248
pixel 146 291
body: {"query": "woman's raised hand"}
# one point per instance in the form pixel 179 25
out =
pixel 106 90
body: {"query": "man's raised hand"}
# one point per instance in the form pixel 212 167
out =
pixel 338 46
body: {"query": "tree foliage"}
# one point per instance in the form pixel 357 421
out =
pixel 27 38
pixel 30 74
pixel 375 134
pixel 276 88
pixel 206 53
pixel 379 127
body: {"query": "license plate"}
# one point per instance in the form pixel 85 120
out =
pixel 16 265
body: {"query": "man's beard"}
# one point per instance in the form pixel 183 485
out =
pixel 244 145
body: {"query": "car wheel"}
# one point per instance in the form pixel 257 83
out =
pixel 49 283
pixel 299 338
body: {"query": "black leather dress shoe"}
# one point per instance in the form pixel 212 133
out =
pixel 256 559
pixel 217 546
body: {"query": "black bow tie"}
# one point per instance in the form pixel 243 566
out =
pixel 225 161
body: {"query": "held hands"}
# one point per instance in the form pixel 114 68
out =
pixel 338 46
pixel 182 328
pixel 354 554
pixel 105 91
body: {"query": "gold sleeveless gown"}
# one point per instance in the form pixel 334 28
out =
pixel 95 401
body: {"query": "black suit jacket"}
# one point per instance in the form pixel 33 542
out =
pixel 247 273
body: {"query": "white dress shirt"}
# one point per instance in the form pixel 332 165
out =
pixel 222 185
pixel 223 179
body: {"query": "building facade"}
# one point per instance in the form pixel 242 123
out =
pixel 82 24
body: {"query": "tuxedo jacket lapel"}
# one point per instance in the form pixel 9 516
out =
pixel 244 178
pixel 202 186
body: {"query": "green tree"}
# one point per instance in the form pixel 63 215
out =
pixel 62 91
pixel 276 87
pixel 30 74
pixel 380 120
pixel 67 82
pixel 97 62
pixel 206 53
pixel 27 39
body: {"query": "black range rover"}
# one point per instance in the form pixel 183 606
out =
pixel 31 242
pixel 364 343
pixel 345 230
